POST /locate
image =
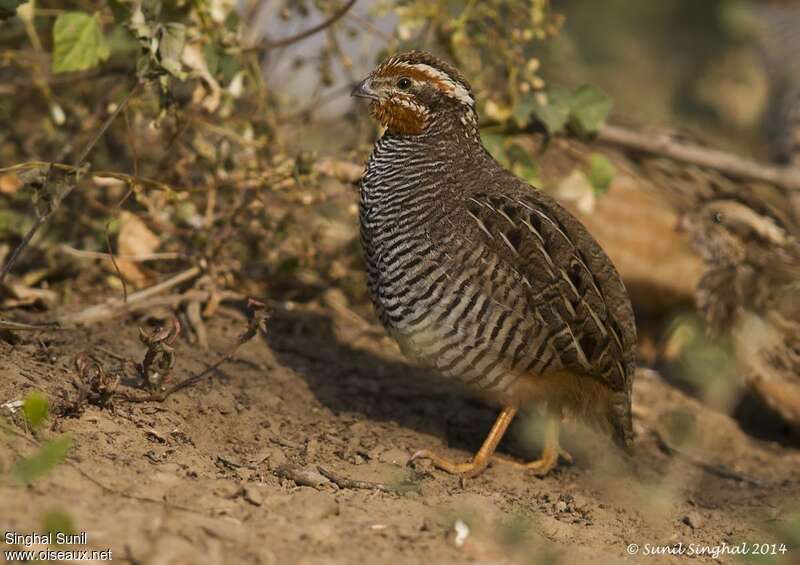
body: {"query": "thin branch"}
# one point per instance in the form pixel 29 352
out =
pixel 343 482
pixel 84 154
pixel 120 107
pixel 370 27
pixel 80 253
pixel 114 308
pixel 727 163
pixel 119 308
pixel 131 179
pixel 111 256
pixel 269 44
pixel 19 326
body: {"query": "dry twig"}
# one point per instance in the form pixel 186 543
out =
pixel 19 326
pixel 160 356
pixel 257 321
pixel 269 44
pixel 726 163
pixel 94 385
pixel 81 254
pixel 116 307
pixel 302 477
pixel 343 482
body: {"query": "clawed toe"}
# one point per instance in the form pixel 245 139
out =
pixel 540 467
pixel 466 469
pixel 550 454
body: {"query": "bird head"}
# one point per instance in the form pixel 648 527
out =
pixel 409 91
pixel 723 230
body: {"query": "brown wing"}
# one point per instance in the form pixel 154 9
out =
pixel 570 284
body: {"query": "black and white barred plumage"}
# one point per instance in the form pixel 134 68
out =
pixel 475 273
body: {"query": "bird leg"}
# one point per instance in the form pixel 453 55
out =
pixel 481 459
pixel 550 452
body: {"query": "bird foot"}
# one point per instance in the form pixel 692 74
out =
pixel 540 467
pixel 467 469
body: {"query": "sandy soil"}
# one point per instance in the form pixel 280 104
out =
pixel 202 477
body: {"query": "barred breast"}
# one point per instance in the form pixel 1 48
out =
pixel 485 279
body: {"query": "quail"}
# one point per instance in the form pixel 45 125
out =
pixel 750 245
pixel 481 277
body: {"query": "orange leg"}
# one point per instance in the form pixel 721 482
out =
pixel 550 452
pixel 539 467
pixel 481 459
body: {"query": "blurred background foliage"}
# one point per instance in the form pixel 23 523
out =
pixel 218 150
pixel 217 135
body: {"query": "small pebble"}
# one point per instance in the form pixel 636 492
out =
pixel 693 520
pixel 461 533
pixel 252 495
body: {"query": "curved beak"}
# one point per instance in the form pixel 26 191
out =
pixel 363 90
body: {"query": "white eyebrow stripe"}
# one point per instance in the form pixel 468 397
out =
pixel 457 90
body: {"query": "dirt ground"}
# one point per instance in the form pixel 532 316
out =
pixel 205 477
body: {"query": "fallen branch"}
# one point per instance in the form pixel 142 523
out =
pixel 81 254
pixel 343 482
pixel 116 307
pixel 121 177
pixel 19 326
pixel 301 476
pixel 664 145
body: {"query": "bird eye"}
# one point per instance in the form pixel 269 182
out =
pixel 718 218
pixel 404 83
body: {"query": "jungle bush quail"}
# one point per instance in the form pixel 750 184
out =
pixel 750 243
pixel 480 276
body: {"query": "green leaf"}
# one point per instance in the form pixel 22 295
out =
pixel 524 109
pixel 601 172
pixel 232 20
pixel 589 108
pixel 555 113
pixel 58 521
pixel 44 460
pixel 78 43
pixel 34 408
pixel 228 67
pixel 211 55
pixel 8 8
pixel 522 163
pixel 170 48
pixel 495 144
